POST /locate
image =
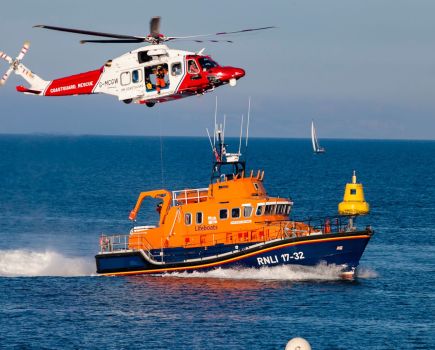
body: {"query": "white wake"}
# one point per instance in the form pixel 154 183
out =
pixel 366 273
pixel 278 273
pixel 26 263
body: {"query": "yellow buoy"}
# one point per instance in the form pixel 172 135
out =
pixel 353 199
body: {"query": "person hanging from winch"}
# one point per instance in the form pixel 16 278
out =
pixel 160 78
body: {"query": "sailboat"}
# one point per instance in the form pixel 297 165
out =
pixel 315 142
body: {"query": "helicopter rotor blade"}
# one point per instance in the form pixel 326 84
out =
pixel 245 30
pixel 153 38
pixel 88 32
pixel 204 40
pixel 114 41
pixel 155 26
pixel 214 41
pixel 193 37
pixel 6 57
pixel 6 76
pixel 23 51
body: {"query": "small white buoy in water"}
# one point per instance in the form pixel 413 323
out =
pixel 298 344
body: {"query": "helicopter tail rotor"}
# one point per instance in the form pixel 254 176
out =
pixel 16 66
pixel 13 64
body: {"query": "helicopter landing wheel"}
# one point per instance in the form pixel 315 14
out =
pixel 127 101
pixel 150 104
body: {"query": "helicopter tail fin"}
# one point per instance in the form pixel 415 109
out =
pixel 37 84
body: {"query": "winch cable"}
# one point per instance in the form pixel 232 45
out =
pixel 161 149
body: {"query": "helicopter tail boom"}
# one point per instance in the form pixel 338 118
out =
pixel 78 84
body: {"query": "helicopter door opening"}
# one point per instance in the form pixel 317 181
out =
pixel 157 78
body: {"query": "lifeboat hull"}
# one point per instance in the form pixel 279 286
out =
pixel 341 249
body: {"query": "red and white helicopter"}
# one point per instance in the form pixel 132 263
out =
pixel 148 75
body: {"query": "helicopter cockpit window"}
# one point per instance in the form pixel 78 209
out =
pixel 156 78
pixel 176 69
pixel 207 63
pixel 125 78
pixel 136 76
pixel 143 57
pixel 192 67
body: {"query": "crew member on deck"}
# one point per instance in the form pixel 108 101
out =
pixel 159 208
pixel 327 226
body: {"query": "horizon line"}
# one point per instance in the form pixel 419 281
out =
pixel 197 136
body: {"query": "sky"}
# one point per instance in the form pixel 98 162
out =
pixel 360 69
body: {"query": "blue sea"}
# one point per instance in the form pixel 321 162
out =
pixel 59 193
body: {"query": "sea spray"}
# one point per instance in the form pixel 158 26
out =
pixel 320 272
pixel 366 273
pixel 27 263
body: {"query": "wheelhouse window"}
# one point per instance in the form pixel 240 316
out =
pixel 223 214
pixel 256 186
pixel 136 76
pixel 156 78
pixel 270 209
pixel 176 69
pixel 235 213
pixel 353 191
pixel 207 63
pixel 199 218
pixel 247 211
pixel 125 78
pixel 288 208
pixel 188 219
pixel 259 210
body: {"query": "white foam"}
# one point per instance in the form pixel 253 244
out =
pixel 366 273
pixel 26 263
pixel 281 273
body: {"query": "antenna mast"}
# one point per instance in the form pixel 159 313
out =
pixel 247 124
pixel 212 147
pixel 241 134
pixel 215 116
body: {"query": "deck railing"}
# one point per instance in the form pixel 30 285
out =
pixel 120 243
pixel 331 224
pixel 195 195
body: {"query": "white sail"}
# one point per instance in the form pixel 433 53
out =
pixel 313 137
pixel 314 141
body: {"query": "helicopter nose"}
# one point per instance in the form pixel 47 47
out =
pixel 225 75
pixel 234 73
pixel 238 73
